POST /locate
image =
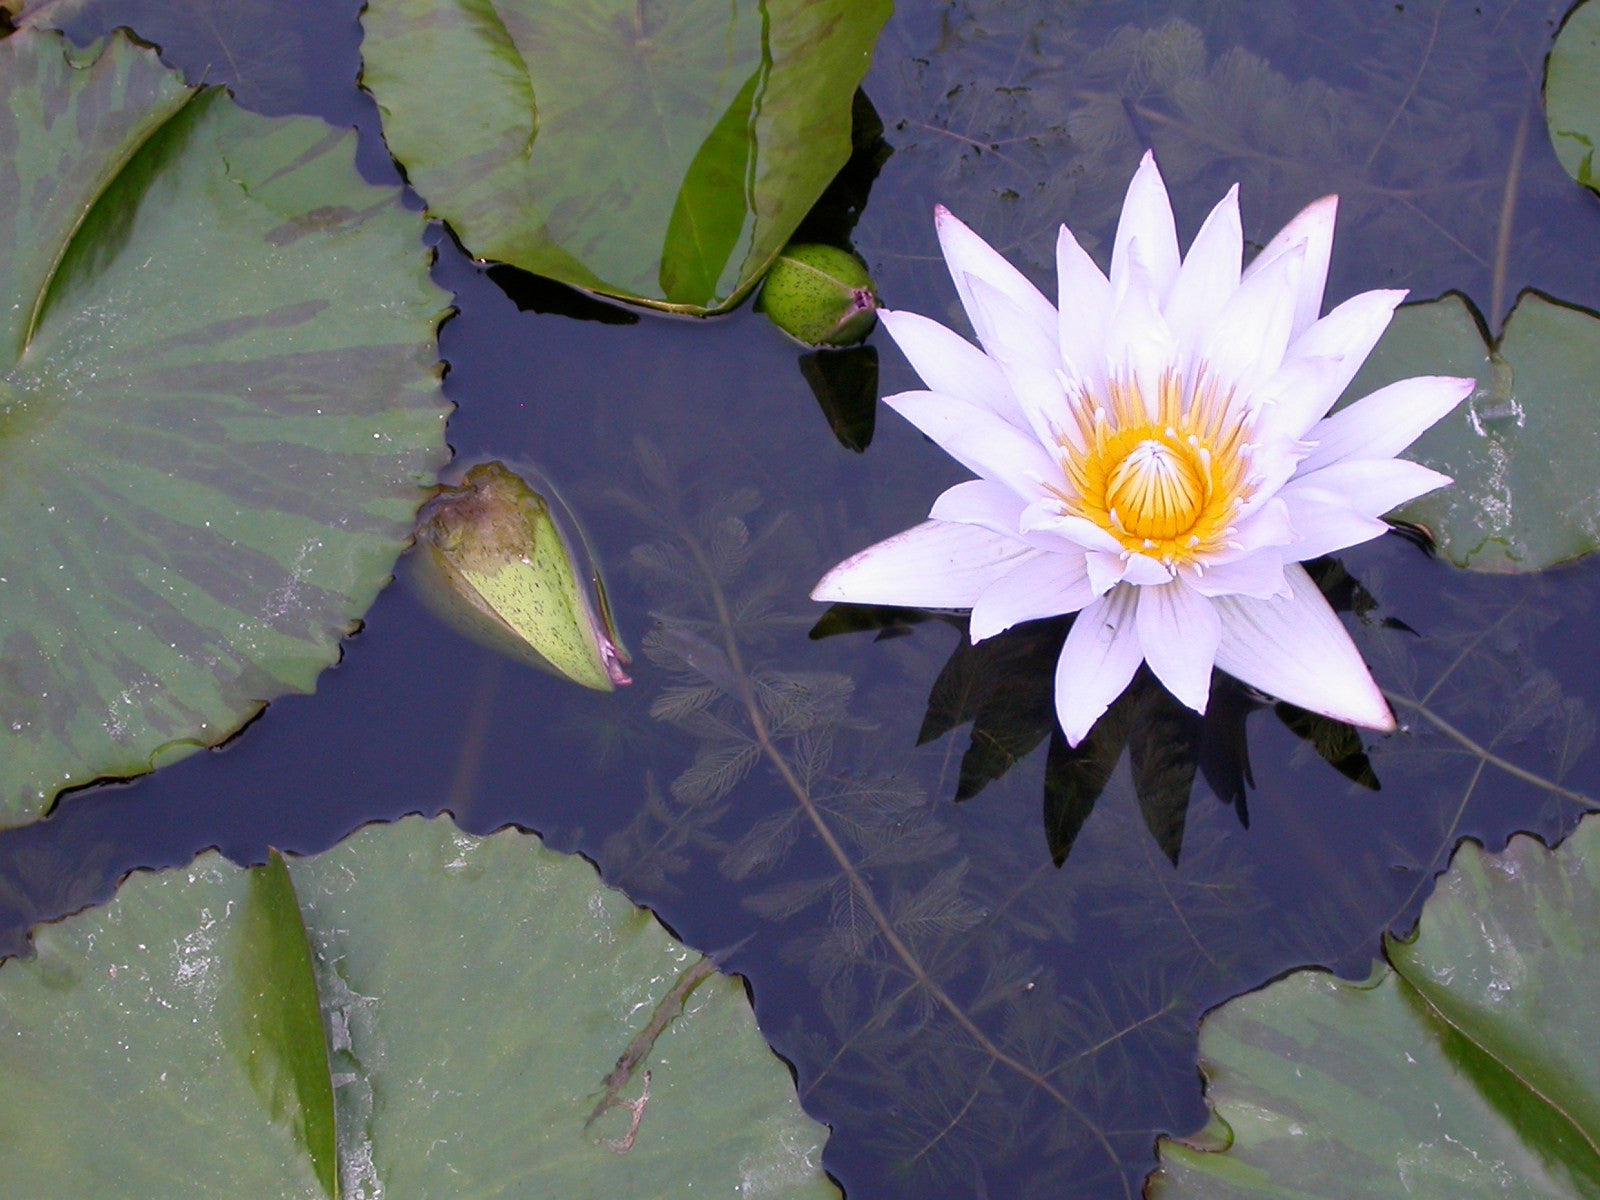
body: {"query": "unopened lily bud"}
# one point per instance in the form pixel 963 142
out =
pixel 492 560
pixel 820 295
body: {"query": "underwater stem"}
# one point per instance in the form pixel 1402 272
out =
pixel 858 884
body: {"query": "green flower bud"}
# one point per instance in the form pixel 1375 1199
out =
pixel 820 295
pixel 492 561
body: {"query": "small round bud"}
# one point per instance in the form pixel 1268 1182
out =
pixel 820 295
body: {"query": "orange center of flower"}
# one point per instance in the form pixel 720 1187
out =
pixel 1165 479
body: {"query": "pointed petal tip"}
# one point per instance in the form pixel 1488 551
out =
pixel 1359 703
pixel 1080 724
pixel 826 591
pixel 1361 706
pixel 1322 210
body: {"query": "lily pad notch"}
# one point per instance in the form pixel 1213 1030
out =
pixel 220 409
pixel 492 1011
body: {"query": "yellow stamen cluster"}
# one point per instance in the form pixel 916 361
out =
pixel 1166 480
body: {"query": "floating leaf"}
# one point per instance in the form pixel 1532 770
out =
pixel 219 407
pixel 493 562
pixel 1571 99
pixel 1522 448
pixel 660 153
pixel 482 996
pixel 1465 1069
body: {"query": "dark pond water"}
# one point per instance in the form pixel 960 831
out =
pixel 1040 1030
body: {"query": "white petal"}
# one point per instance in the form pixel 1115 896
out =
pixel 1139 346
pixel 1208 276
pixel 1259 575
pixel 1106 569
pixel 1099 658
pixel 1386 422
pixel 1325 522
pixel 1296 649
pixel 1044 587
pixel 1179 631
pixel 977 439
pixel 1036 518
pixel 1372 487
pixel 967 254
pixel 948 363
pixel 994 506
pixel 932 565
pixel 1273 462
pixel 980 502
pixel 1268 524
pixel 1030 358
pixel 1144 571
pixel 1138 570
pixel 1246 341
pixel 1085 303
pixel 1321 363
pixel 1146 236
pixel 1313 227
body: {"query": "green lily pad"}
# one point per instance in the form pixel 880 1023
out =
pixel 661 153
pixel 1522 448
pixel 1466 1068
pixel 1571 99
pixel 481 996
pixel 219 409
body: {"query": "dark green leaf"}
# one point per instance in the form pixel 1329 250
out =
pixel 1465 1070
pixel 486 1000
pixel 1074 778
pixel 660 153
pixel 885 619
pixel 276 1029
pixel 219 410
pixel 1521 448
pixel 1571 99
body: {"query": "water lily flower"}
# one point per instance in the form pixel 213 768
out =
pixel 1156 456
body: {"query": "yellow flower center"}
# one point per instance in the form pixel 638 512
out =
pixel 1166 480
pixel 1157 490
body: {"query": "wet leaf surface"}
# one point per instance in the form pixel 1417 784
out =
pixel 1521 448
pixel 163 1040
pixel 1462 1068
pixel 219 409
pixel 1572 109
pixel 662 154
